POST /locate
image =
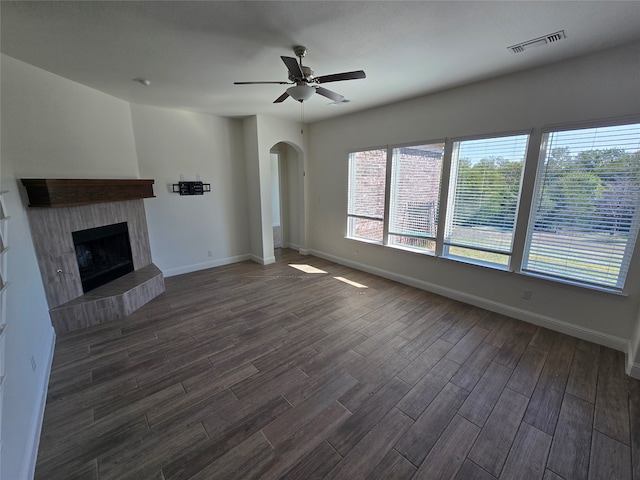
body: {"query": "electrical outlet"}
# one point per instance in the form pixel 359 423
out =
pixel 526 294
pixel 356 252
pixel 33 364
pixel 210 253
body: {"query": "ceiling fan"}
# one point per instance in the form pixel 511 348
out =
pixel 306 84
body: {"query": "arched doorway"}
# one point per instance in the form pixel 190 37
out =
pixel 287 202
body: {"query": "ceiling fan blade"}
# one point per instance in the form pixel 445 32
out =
pixel 260 83
pixel 281 98
pixel 293 67
pixel 336 97
pixel 337 77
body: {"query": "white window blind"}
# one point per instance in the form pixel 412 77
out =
pixel 415 191
pixel 483 197
pixel 586 207
pixel 367 177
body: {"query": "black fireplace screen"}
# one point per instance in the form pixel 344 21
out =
pixel 103 254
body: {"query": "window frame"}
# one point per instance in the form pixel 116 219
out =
pixel 349 215
pixel 390 189
pixel 525 207
pixel 452 173
pixel 536 198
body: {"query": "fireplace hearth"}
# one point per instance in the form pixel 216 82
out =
pixel 103 254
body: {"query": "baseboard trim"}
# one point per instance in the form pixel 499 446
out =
pixel 262 260
pixel 633 369
pixel 203 266
pixel 292 246
pixel 35 429
pixel 601 338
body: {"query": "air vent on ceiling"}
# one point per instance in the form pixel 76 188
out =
pixel 537 42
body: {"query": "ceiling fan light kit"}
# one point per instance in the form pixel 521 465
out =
pixel 301 92
pixel 304 81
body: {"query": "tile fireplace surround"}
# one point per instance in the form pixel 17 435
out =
pixel 69 307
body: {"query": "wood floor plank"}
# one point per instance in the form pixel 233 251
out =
pixel 375 445
pixel 494 442
pixel 549 475
pixel 380 338
pixel 527 372
pixel 372 381
pixel 612 404
pixel 421 395
pixel 450 451
pixel 569 456
pixel 471 471
pixel 70 470
pixel 76 452
pixel 302 441
pixel 472 370
pixel 609 458
pixel 238 462
pixel 224 435
pixel 461 321
pixel 366 368
pixel 583 376
pixel 511 351
pixel 503 329
pixel 528 455
pixel 297 393
pixel 287 423
pixel 546 400
pixel 131 461
pixel 484 396
pixel 424 362
pixel 467 344
pixel 70 441
pixel 369 414
pixel 393 467
pixel 315 464
pixel 425 432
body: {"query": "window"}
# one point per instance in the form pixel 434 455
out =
pixel 484 191
pixel 415 192
pixel 586 206
pixel 367 178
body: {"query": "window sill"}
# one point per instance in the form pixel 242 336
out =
pixel 573 283
pixel 363 240
pixel 419 251
pixel 478 263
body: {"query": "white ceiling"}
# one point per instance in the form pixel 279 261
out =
pixel 194 51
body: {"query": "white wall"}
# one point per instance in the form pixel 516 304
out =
pixel 252 165
pixel 275 190
pixel 51 127
pixel 189 233
pixel 261 134
pixel 594 87
pixel 293 179
pixel 271 132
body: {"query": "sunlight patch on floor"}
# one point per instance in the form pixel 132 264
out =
pixel 306 268
pixel 351 282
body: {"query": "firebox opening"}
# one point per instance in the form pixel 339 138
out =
pixel 103 254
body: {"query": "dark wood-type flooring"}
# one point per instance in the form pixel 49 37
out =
pixel 249 371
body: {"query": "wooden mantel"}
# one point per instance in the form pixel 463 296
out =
pixel 56 192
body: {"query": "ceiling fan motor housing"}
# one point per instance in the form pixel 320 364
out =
pixel 307 72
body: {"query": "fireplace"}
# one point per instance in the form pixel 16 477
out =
pixel 103 254
pixel 74 258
